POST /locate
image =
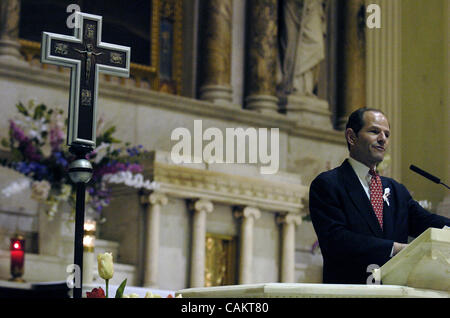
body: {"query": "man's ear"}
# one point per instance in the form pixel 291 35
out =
pixel 350 136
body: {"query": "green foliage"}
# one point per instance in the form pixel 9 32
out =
pixel 119 291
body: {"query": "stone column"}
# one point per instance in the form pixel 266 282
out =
pixel 383 76
pixel 248 216
pixel 262 56
pixel 200 207
pixel 351 72
pixel 288 223
pixel 155 202
pixel 216 52
pixel 9 30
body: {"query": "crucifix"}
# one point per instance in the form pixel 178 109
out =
pixel 86 55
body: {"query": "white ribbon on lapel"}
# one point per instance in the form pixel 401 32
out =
pixel 387 192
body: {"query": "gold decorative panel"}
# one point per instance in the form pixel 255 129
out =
pixel 220 260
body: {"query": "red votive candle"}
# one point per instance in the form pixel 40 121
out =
pixel 17 249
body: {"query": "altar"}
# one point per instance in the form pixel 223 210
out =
pixel 293 290
pixel 420 270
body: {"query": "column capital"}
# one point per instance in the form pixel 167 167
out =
pixel 202 205
pixel 154 198
pixel 247 212
pixel 289 218
pixel 157 198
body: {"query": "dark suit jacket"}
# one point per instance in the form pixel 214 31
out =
pixel 349 234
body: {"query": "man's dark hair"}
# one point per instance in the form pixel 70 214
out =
pixel 356 120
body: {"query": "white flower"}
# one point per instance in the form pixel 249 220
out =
pixel 127 178
pixel 151 295
pixel 66 190
pixel 16 187
pixel 101 151
pixel 105 265
pixel 40 190
pixel 425 204
pixel 387 192
pixel 132 295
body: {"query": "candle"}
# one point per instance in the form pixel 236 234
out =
pixel 17 250
pixel 88 251
pixel 89 235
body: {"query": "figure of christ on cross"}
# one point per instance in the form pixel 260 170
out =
pixel 90 55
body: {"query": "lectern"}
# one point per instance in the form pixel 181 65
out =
pixel 424 263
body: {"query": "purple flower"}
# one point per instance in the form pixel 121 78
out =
pixel 17 132
pixel 134 151
pixel 56 138
pixel 22 167
pixel 37 170
pixel 135 168
pixel 31 152
pixel 60 159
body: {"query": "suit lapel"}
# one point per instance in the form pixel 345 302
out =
pixel 359 198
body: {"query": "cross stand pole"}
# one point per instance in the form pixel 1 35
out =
pixel 80 172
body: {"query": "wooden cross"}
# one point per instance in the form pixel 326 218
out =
pixel 87 56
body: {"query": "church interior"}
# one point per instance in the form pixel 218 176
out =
pixel 288 70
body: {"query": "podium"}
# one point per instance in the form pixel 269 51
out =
pixel 422 269
pixel 424 263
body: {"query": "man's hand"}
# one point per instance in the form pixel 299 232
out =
pixel 398 247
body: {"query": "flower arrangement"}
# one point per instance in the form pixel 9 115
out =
pixel 38 151
pixel 106 271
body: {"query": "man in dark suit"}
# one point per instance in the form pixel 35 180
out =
pixel 359 217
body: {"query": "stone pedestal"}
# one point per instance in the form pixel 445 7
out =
pixel 262 103
pixel 218 94
pixel 309 111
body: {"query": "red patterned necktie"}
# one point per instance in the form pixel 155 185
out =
pixel 376 195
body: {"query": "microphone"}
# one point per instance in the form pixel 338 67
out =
pixel 427 175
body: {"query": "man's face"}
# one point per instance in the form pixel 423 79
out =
pixel 371 142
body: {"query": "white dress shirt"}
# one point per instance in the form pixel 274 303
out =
pixel 362 171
